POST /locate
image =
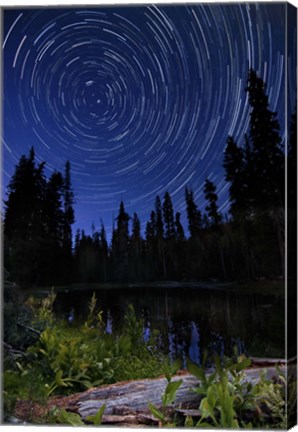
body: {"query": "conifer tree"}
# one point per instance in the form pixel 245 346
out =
pixel 54 225
pixel 159 221
pixel 69 219
pixel 168 217
pixel 234 166
pixel 68 209
pixel 135 250
pixel 120 244
pixel 104 252
pixel 54 215
pixel 180 236
pixel 268 157
pixel 211 198
pixel 24 226
pixel 159 230
pixel 193 215
pixel 150 247
pixel 150 232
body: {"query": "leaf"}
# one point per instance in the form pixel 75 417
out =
pixel 200 390
pixel 196 371
pixel 155 411
pixel 170 392
pixel 66 417
pixel 97 418
pixel 188 422
pixel 211 378
pixel 212 396
pixel 235 424
pixel 174 368
pixel 243 363
pixel 204 425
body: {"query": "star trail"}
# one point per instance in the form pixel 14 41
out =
pixel 139 99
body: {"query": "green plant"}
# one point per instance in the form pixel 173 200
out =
pixel 62 416
pixel 67 418
pixel 133 326
pixel 77 361
pixel 23 383
pixel 229 400
pixel 163 415
pixel 95 316
pixel 97 418
pixel 43 310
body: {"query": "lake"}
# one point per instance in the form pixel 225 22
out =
pixel 189 319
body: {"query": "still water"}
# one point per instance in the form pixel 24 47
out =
pixel 190 320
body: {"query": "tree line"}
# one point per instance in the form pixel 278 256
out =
pixel 38 224
pixel 248 243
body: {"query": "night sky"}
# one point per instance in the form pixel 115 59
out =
pixel 139 99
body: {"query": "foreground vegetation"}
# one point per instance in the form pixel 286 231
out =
pixel 45 357
pixel 54 358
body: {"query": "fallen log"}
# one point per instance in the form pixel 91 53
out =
pixel 127 403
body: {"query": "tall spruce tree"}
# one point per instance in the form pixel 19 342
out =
pixel 212 207
pixel 54 225
pixel 24 226
pixel 234 166
pixel 150 247
pixel 265 141
pixel 69 218
pixel 120 245
pixel 104 253
pixel 159 230
pixel 256 171
pixel 150 232
pixel 193 214
pixel 135 267
pixel 168 217
pixel 180 236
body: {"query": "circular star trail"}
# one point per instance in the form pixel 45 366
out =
pixel 139 99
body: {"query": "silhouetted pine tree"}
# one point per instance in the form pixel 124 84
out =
pixel 120 245
pixel 180 236
pixel 266 147
pixel 235 174
pixel 193 215
pixel 168 217
pixel 104 254
pixel 256 176
pixel 69 219
pixel 150 268
pixel 212 207
pixel 135 267
pixel 54 224
pixel 159 232
pixel 24 225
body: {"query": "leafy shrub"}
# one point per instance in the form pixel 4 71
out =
pixel 231 401
pixel 73 359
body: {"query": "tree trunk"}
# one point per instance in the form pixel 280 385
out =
pixel 127 403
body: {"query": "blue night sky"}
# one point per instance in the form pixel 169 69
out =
pixel 139 99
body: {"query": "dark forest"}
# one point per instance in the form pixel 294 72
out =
pixel 40 248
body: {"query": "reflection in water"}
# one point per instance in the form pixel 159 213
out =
pixel 194 350
pixel 190 320
pixel 109 325
pixel 70 317
pixel 171 339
